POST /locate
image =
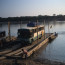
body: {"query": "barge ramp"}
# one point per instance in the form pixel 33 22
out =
pixel 30 49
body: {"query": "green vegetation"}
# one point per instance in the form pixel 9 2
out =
pixel 34 18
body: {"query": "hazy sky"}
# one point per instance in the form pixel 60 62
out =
pixel 11 8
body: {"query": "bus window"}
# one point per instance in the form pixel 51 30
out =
pixel 25 33
pixel 42 28
pixel 39 29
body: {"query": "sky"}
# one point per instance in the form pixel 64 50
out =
pixel 17 8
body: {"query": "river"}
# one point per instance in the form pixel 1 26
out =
pixel 54 50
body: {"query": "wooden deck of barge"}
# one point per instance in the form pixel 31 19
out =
pixel 31 48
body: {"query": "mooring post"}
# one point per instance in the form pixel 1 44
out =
pixel 48 29
pixel 37 30
pixel 9 31
pixel 20 23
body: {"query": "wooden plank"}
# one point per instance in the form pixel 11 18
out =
pixel 1 58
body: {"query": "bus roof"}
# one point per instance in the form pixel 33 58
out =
pixel 32 27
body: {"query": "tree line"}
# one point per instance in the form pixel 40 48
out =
pixel 34 18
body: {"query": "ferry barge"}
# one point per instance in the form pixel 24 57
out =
pixel 29 35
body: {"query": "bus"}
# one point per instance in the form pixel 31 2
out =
pixel 30 34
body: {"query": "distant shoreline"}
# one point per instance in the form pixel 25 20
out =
pixel 33 18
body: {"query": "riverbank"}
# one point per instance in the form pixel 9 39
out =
pixel 30 61
pixel 41 62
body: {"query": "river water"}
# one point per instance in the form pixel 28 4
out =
pixel 54 50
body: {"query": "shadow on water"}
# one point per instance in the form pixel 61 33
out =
pixel 39 51
pixel 51 41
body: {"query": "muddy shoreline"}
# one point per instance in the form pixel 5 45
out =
pixel 30 61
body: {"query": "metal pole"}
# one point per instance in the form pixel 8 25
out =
pixel 44 30
pixel 9 31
